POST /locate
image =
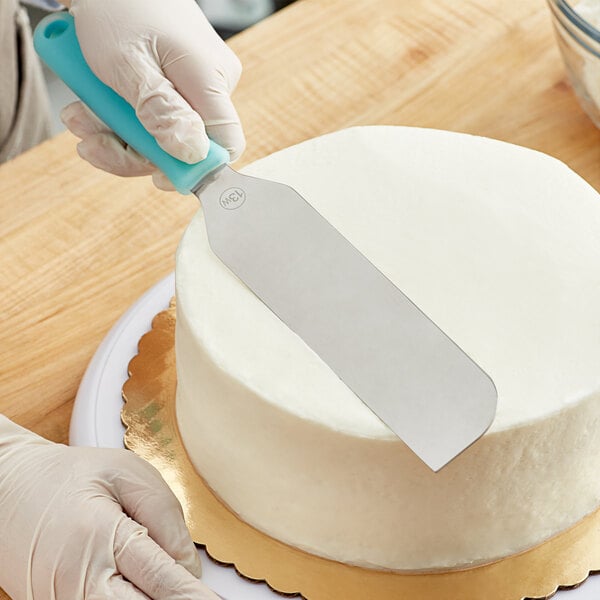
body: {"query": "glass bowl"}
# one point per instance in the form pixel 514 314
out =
pixel 579 43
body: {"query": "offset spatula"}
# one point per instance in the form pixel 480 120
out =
pixel 395 359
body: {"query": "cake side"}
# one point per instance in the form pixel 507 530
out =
pixel 372 502
pixel 497 245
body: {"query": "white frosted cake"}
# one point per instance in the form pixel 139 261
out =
pixel 498 245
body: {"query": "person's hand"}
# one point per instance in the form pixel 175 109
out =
pixel 167 61
pixel 89 523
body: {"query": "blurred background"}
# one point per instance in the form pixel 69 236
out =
pixel 228 17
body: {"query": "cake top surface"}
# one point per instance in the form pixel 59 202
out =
pixel 499 245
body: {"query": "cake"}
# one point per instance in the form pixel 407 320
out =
pixel 500 246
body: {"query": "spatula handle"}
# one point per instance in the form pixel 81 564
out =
pixel 56 43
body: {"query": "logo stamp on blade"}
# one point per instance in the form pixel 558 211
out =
pixel 232 198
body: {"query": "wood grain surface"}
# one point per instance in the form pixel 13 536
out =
pixel 78 246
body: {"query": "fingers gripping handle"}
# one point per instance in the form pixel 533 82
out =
pixel 56 43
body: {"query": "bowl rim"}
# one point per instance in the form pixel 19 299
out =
pixel 570 13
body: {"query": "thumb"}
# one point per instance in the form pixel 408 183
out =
pixel 148 500
pixel 145 564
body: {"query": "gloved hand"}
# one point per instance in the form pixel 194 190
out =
pixel 73 525
pixel 167 61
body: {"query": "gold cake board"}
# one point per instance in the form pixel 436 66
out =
pixel 149 416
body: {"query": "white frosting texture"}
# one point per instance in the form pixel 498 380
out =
pixel 498 245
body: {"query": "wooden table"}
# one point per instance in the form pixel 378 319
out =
pixel 78 246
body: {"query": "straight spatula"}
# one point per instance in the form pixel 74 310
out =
pixel 392 356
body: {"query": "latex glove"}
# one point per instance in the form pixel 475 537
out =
pixel 167 61
pixel 73 525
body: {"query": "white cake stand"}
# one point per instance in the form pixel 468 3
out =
pixel 96 421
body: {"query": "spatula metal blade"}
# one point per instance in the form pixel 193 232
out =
pixel 387 351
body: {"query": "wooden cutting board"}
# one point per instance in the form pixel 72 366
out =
pixel 79 246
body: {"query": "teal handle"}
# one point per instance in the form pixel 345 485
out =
pixel 56 43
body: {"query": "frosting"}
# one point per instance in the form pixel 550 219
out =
pixel 484 237
pixel 499 246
